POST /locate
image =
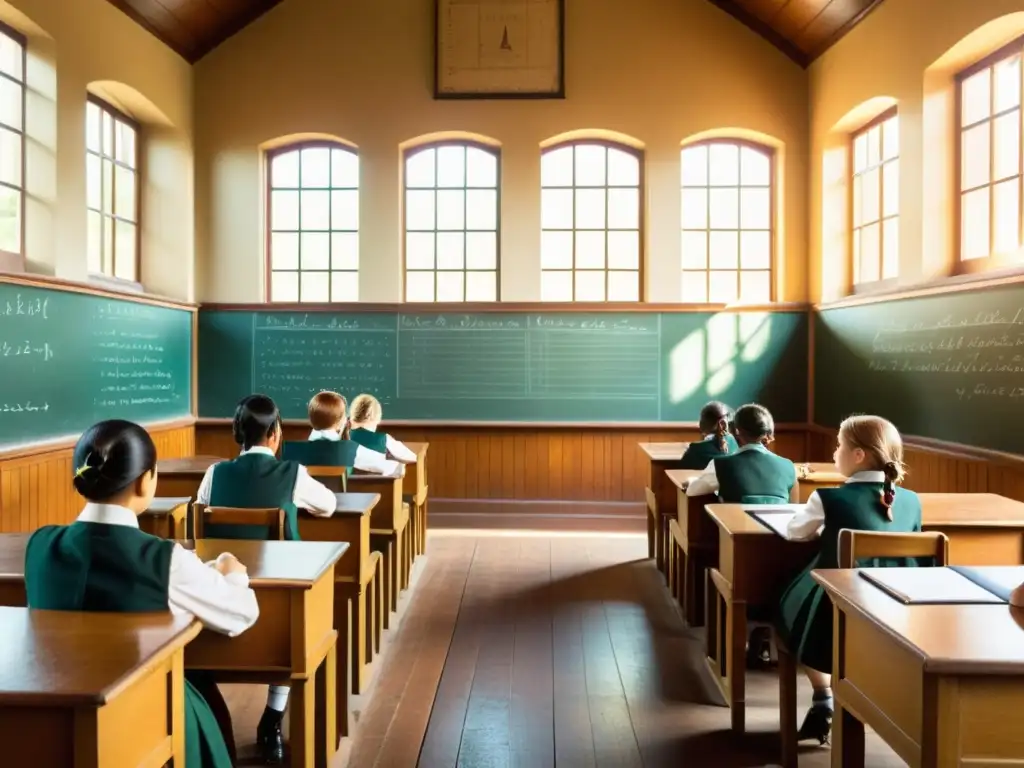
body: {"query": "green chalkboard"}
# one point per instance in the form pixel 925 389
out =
pixel 68 360
pixel 948 366
pixel 508 366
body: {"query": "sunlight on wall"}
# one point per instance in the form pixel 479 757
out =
pixel 755 334
pixel 723 345
pixel 686 367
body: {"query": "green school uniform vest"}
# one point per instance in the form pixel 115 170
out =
pixel 754 475
pixel 117 569
pixel 254 481
pixel 805 612
pixel 324 453
pixel 375 441
pixel 701 453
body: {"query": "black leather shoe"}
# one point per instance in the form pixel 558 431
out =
pixel 759 649
pixel 817 724
pixel 269 740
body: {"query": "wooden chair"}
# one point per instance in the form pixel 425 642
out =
pixel 853 546
pixel 273 519
pixel 677 578
pixel 652 523
pixel 336 477
pixel 391 544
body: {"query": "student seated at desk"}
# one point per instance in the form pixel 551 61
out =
pixel 329 421
pixel 752 475
pixel 870 454
pixel 255 480
pixel 103 562
pixel 715 438
pixel 366 416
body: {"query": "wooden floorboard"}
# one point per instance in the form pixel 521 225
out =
pixel 538 650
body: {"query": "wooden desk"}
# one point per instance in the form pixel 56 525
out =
pixel 92 690
pixel 814 475
pixel 181 477
pixel 166 517
pixel 388 525
pixel 12 569
pixel 983 528
pixel 941 684
pixel 662 456
pixel 698 542
pixel 349 523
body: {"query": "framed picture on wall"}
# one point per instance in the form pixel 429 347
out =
pixel 499 49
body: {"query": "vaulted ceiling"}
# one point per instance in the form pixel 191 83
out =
pixel 802 29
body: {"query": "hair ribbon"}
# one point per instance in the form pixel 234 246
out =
pixel 84 468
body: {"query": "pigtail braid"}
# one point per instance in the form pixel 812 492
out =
pixel 892 474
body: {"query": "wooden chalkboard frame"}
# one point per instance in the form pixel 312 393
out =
pixel 71 286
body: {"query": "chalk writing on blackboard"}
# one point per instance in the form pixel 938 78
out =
pixel 37 307
pixel 27 407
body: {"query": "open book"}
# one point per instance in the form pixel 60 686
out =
pixel 934 586
pixel 775 518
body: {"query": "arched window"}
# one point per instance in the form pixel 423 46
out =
pixel 727 222
pixel 876 203
pixel 990 175
pixel 451 222
pixel 112 191
pixel 313 215
pixel 591 213
pixel 12 141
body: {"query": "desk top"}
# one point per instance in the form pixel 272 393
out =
pixel 681 478
pixel 664 451
pixel 72 658
pixel 420 449
pixel 164 505
pixel 190 465
pixel 355 503
pixel 989 510
pixel 819 472
pixel 950 639
pixel 368 478
pixel 734 520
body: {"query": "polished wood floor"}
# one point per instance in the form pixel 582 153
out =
pixel 543 650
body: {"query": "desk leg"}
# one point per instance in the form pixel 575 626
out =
pixel 178 709
pixel 326 712
pixel 361 629
pixel 726 645
pixel 847 739
pixel 303 722
pixel 651 537
pixel 343 624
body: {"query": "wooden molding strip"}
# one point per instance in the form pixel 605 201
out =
pixel 67 442
pixel 70 286
pixel 955 284
pixel 652 426
pixel 510 306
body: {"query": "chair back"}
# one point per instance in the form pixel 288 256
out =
pixel 652 500
pixel 273 519
pixel 860 545
pixel 335 478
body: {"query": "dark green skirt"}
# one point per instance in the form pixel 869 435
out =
pixel 804 622
pixel 204 743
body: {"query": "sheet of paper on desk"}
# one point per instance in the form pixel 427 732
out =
pixel 1000 580
pixel 929 586
pixel 775 519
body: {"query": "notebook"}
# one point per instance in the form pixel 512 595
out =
pixel 1000 580
pixel 775 519
pixel 929 586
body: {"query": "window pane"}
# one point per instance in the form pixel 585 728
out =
pixel 344 251
pixel 93 242
pixel 284 170
pixel 590 250
pixel 1006 149
pixel 590 286
pixel 591 165
pixel 890 248
pixel 755 168
pixel 623 286
pixel 856 257
pixel 482 250
pixel 106 133
pixel 556 208
pixel 590 208
pixel 975 97
pixel 1007 84
pixel 419 250
pixel 419 286
pixel 693 163
pixel 481 286
pixel 722 287
pixel 755 250
pixel 284 210
pixel 124 144
pixel 419 171
pixel 725 165
pixel 874 136
pixel 10 103
pixel 974 224
pixel 10 157
pixel 860 153
pixel 623 168
pixel 419 210
pixel 858 197
pixel 93 182
pixel 555 286
pixel 556 168
pixel 284 250
pixel 92 127
pixel 451 209
pixel 695 250
pixel 107 168
pixel 451 171
pixel 314 286
pixel 556 250
pixel 11 57
pixel 314 253
pixel 451 253
pixel 284 286
pixel 724 208
pixel 124 205
pixel 345 210
pixel 623 208
pixel 451 286
pixel 891 138
pixel 624 250
pixel 344 171
pixel 1006 216
pixel 124 250
pixel 870 204
pixel 891 188
pixel 481 168
pixel 755 208
pixel 755 287
pixel 695 287
pixel 695 209
pixel 724 249
pixel 482 209
pixel 870 256
pixel 10 220
pixel 344 286
pixel 315 212
pixel 107 247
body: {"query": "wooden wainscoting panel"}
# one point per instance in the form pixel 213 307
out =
pixel 36 490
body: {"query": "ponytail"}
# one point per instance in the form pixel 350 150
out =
pixel 721 430
pixel 346 431
pixel 892 473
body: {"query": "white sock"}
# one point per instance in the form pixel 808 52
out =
pixel 277 697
